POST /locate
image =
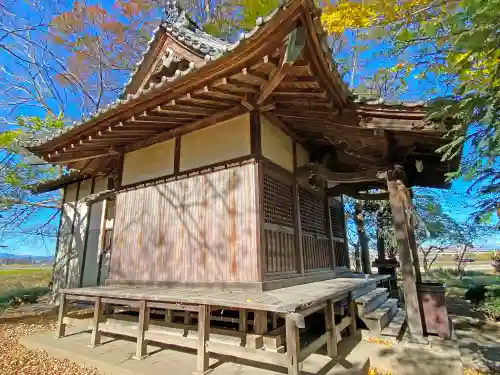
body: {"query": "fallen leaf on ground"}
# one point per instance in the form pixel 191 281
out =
pixel 16 359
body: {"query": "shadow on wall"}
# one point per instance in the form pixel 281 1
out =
pixel 199 229
pixel 68 260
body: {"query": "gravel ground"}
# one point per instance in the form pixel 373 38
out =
pixel 16 359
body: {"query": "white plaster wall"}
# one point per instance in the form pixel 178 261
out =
pixel 302 156
pixel 94 226
pixel 79 233
pixel 224 141
pixel 64 238
pixel 148 163
pixel 276 145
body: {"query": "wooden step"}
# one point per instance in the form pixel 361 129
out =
pixel 370 301
pixel 379 318
pixel 396 326
pixel 355 294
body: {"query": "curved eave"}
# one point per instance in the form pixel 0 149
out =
pixel 255 44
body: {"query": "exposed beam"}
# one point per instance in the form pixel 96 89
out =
pixel 184 129
pixel 219 93
pixel 176 108
pixel 295 46
pixel 299 93
pixel 158 123
pixel 218 103
pixel 273 119
pixel 164 119
pixel 357 192
pixel 64 161
pixel 321 171
pixel 257 77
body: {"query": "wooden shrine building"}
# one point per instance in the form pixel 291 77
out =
pixel 221 169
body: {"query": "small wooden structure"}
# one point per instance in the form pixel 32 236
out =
pixel 222 167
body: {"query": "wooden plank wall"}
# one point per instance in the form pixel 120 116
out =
pixel 197 229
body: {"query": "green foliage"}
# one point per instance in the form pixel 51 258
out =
pixel 491 305
pixel 232 16
pixel 496 261
pixel 476 294
pixel 16 297
pixel 16 176
pixel 466 41
pixel 454 45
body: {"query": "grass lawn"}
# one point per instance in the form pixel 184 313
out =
pixel 14 281
pixel 22 278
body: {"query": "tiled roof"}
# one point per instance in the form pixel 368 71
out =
pixel 215 48
pixel 377 101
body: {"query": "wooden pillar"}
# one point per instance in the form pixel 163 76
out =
pixel 352 314
pixel 260 322
pixel 63 310
pixel 380 239
pixel 299 251
pixel 328 223
pixel 243 321
pixel 414 254
pixel 96 335
pixel 405 257
pixel 292 346
pixel 168 316
pixel 101 249
pixel 203 336
pixel 141 348
pixel 187 318
pixel 363 239
pixel 331 329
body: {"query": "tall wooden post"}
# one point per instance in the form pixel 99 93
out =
pixel 363 239
pixel 413 243
pixel 405 257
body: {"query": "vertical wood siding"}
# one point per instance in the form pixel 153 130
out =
pixel 198 229
pixel 338 231
pixel 315 241
pixel 279 231
pixel 317 251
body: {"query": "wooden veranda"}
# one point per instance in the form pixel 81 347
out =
pixel 261 345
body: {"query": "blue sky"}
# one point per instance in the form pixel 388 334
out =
pixel 456 203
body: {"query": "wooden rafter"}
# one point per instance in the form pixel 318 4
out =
pixel 93 156
pixel 295 46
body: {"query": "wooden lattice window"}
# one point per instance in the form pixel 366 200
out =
pixel 278 202
pixel 312 212
pixel 337 218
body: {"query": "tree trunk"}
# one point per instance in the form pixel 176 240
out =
pixel 412 303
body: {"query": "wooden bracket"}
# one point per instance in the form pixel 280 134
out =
pixel 295 45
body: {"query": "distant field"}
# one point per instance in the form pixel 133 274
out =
pixel 20 277
pixel 484 256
